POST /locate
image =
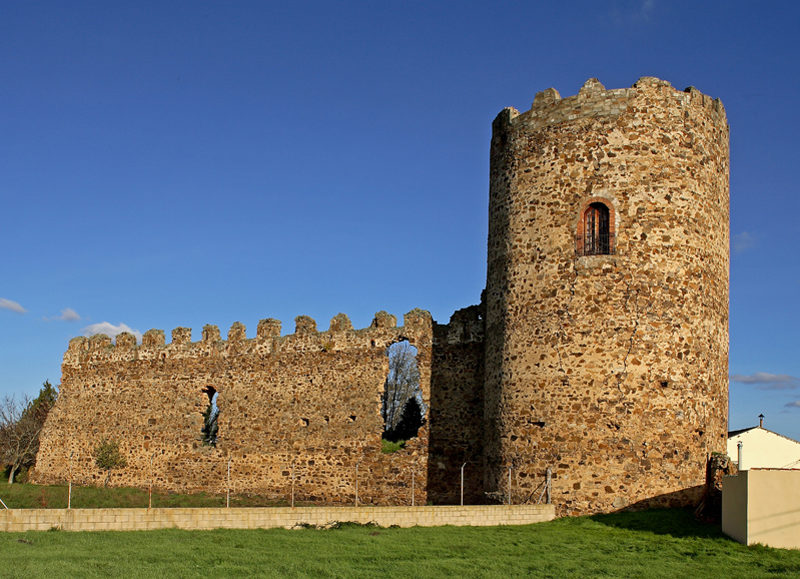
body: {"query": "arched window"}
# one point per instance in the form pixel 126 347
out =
pixel 595 231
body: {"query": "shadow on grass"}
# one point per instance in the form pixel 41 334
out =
pixel 674 522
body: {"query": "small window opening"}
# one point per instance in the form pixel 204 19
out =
pixel 210 416
pixel 402 407
pixel 597 237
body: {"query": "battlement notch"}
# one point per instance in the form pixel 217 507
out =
pixel 237 333
pixel 384 319
pixel 341 336
pixel 268 328
pixel 183 336
pixel 126 341
pixel 340 323
pixel 99 342
pixel 153 339
pixel 305 325
pixel 210 334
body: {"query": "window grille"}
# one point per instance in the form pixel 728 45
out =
pixel 597 239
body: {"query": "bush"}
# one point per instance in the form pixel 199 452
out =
pixel 389 446
pixel 108 457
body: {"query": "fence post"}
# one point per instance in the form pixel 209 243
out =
pixel 548 483
pixel 509 486
pixel 462 483
pixel 413 488
pixel 69 490
pixel 292 484
pixel 228 485
pixel 150 488
pixel 356 484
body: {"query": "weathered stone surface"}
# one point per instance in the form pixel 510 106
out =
pixel 717 467
pixel 305 405
pixel 610 369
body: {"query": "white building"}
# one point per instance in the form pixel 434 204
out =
pixel 762 448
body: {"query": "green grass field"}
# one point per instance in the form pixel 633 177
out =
pixel 28 496
pixel 646 544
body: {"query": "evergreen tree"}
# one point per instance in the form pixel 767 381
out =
pixel 402 383
pixel 408 425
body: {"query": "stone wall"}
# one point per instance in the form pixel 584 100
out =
pixel 456 413
pixel 302 407
pixel 611 369
pixel 20 520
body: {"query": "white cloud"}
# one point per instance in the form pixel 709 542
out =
pixel 767 381
pixel 11 305
pixel 743 241
pixel 793 404
pixel 67 315
pixel 111 330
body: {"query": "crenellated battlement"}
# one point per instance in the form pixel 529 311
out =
pixel 602 368
pixel 574 370
pixel 594 100
pixel 418 327
pixel 312 399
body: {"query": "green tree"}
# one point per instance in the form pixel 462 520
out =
pixel 408 425
pixel 21 422
pixel 107 457
pixel 402 385
pixel 44 402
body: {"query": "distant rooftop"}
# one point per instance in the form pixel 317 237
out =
pixel 732 433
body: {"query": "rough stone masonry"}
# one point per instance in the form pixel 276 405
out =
pixel 599 349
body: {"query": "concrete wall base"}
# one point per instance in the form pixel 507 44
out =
pixel 18 520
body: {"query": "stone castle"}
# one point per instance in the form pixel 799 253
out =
pixel 599 349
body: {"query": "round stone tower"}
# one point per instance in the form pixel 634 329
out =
pixel 607 296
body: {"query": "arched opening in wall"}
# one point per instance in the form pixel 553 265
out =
pixel 210 415
pixel 596 230
pixel 402 408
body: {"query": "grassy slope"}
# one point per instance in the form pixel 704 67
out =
pixel 647 544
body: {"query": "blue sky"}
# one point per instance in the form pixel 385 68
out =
pixel 185 163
